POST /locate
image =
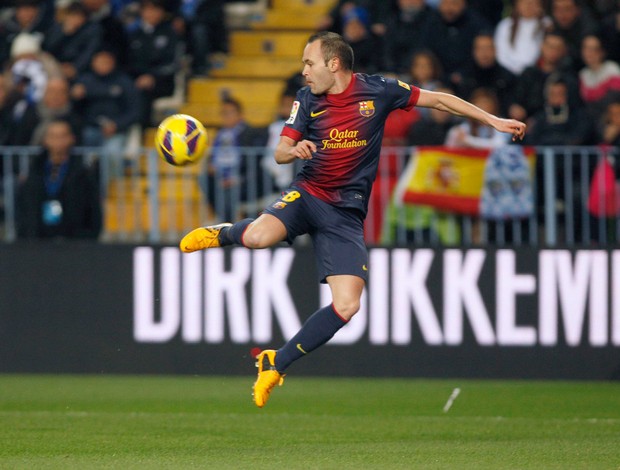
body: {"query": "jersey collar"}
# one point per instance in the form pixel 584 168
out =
pixel 338 98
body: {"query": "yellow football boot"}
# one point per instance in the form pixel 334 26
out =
pixel 268 377
pixel 202 237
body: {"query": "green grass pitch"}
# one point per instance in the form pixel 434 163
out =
pixel 195 422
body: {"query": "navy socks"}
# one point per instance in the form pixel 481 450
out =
pixel 318 330
pixel 232 235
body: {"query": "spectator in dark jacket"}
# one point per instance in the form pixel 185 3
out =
pixel 406 33
pixel 204 27
pixel 109 104
pixel 366 50
pixel 451 34
pixel 153 56
pixel 60 197
pixel 529 96
pixel 560 122
pixel 610 31
pixel 114 37
pixel 55 105
pixel 73 40
pixel 485 72
pixel 573 21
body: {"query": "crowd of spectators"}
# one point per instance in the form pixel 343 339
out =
pixel 517 50
pixel 116 57
pixel 100 64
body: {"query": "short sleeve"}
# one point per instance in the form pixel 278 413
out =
pixel 401 94
pixel 295 125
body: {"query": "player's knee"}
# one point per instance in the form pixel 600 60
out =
pixel 253 238
pixel 347 308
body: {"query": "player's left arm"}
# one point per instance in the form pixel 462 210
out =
pixel 457 106
pixel 288 150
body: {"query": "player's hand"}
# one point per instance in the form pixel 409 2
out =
pixel 511 126
pixel 303 150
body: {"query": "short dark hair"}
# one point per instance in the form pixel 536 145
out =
pixel 554 33
pixel 235 103
pixel 155 3
pixel 28 3
pixel 434 60
pixel 76 8
pixel 60 120
pixel 333 45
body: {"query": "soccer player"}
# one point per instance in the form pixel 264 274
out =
pixel 336 127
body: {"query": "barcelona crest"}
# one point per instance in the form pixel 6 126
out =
pixel 367 108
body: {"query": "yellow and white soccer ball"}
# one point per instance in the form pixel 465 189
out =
pixel 181 140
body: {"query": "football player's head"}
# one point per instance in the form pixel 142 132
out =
pixel 325 55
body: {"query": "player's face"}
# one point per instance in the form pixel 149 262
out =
pixel 317 74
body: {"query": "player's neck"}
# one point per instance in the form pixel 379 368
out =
pixel 343 80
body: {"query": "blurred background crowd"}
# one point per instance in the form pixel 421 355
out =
pixel 100 65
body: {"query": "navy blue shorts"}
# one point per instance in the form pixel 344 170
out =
pixel 337 233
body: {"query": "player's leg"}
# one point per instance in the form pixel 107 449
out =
pixel 342 263
pixel 346 294
pixel 315 332
pixel 325 322
pixel 265 231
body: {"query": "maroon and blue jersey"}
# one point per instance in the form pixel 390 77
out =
pixel 347 129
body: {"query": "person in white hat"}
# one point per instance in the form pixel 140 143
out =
pixel 31 67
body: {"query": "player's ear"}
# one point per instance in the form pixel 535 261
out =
pixel 334 64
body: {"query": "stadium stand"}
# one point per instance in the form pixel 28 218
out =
pixel 262 56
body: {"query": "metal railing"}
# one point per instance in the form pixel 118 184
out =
pixel 150 201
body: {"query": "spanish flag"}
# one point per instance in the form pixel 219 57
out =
pixel 450 179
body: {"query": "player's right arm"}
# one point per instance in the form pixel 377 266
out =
pixel 288 150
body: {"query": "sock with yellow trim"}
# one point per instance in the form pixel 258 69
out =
pixel 318 330
pixel 233 235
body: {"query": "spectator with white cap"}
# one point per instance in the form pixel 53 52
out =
pixel 27 78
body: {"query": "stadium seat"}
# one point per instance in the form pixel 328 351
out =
pixel 258 67
pixel 268 44
pixel 259 97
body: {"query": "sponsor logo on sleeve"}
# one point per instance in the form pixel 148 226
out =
pixel 294 111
